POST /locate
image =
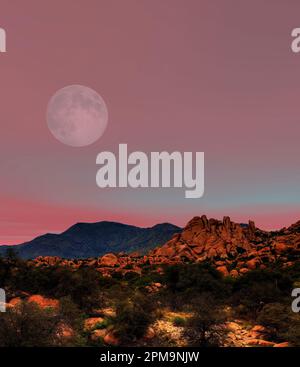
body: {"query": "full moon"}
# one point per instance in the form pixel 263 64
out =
pixel 77 115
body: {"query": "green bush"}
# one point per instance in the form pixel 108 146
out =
pixel 274 315
pixel 292 333
pixel 203 329
pixel 133 317
pixel 195 278
pixel 103 324
pixel 179 321
pixel 257 288
pixel 26 325
pixel 283 324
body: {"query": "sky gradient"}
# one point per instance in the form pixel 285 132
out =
pixel 195 75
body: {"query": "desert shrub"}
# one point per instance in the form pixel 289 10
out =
pixel 131 276
pixel 70 314
pixel 205 328
pixel 9 267
pixel 143 281
pixel 133 317
pixel 254 298
pixel 195 278
pixel 82 286
pixel 4 272
pixel 277 279
pixel 12 257
pixel 179 321
pixel 26 325
pixel 104 324
pixel 274 315
pixel 117 275
pixel 257 288
pixel 283 324
pixel 31 279
pixel 293 271
pixel 128 266
pixel 292 333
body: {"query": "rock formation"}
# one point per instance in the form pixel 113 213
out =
pixel 233 248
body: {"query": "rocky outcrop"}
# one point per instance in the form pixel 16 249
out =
pixel 281 345
pixel 111 339
pixel 92 323
pixel 41 301
pixel 233 248
pixel 109 260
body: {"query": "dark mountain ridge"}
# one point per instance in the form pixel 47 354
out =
pixel 84 240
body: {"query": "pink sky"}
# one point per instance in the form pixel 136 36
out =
pixel 212 76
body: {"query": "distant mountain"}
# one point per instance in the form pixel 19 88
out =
pixel 85 240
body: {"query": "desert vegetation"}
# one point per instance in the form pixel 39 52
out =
pixel 185 304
